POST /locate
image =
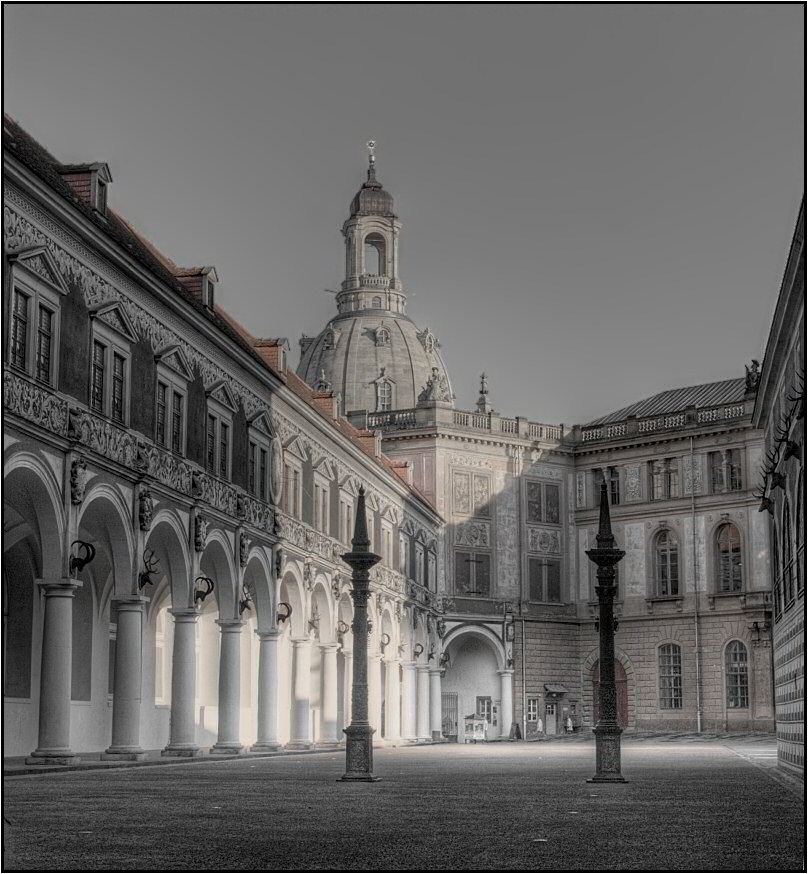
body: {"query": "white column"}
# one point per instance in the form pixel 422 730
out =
pixel 506 703
pixel 300 738
pixel 267 735
pixel 127 694
pixel 435 704
pixel 422 710
pixel 227 740
pixel 347 686
pixel 182 732
pixel 392 710
pixel 408 701
pixel 56 675
pixel 328 713
pixel 375 693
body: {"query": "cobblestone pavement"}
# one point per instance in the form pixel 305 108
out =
pixel 691 804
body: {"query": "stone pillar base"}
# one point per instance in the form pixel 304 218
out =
pixel 299 745
pixel 359 755
pixel 327 745
pixel 123 754
pixel 437 736
pixel 607 754
pixel 227 749
pixel 52 757
pixel 264 747
pixel 181 751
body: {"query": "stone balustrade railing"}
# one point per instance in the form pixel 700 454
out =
pixel 671 421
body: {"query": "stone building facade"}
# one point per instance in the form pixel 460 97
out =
pixel 519 503
pixel 176 505
pixel 780 413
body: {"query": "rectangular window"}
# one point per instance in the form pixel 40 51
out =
pixel 725 470
pixel 534 502
pixel 19 330
pixel 614 486
pixel 296 494
pixel 177 412
pixel 543 502
pixel 717 471
pixel 670 677
pixel 97 377
pixel 734 462
pixel 404 555
pixel 544 580
pixel 210 446
pixel 485 708
pixel 552 504
pixel 43 344
pixel 473 574
pixel 262 475
pixel 664 479
pixel 118 375
pixel 224 449
pixel 251 468
pixel 532 709
pixel 160 422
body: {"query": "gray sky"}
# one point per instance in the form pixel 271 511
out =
pixel 596 200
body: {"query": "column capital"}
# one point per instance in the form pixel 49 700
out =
pixel 439 671
pixel 299 642
pixel 408 665
pixel 130 603
pixel 348 653
pixel 424 669
pixel 185 614
pixel 60 587
pixel 506 672
pixel 328 647
pixel 268 635
pixel 230 625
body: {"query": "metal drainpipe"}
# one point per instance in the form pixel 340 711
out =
pixel 521 592
pixel 695 589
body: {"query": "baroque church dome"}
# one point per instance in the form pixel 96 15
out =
pixel 371 352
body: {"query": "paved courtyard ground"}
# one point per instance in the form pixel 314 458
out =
pixel 690 805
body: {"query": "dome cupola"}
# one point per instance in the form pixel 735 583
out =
pixel 372 199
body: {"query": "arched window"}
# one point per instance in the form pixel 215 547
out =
pixel 670 677
pixel 737 675
pixel 666 554
pixel 377 302
pixel 728 565
pixel 375 260
pixel 384 396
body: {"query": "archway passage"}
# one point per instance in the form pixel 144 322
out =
pixel 621 686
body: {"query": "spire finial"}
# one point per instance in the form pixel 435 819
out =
pixel 483 383
pixel 605 538
pixel 371 144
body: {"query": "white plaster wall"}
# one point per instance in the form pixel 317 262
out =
pixel 633 570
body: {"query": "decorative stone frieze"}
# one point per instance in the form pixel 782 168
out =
pixel 541 540
pixel 27 400
pixel 580 490
pixel 473 534
pixel 200 532
pixel 692 475
pixel 633 487
pixel 103 437
pixel 145 508
pixel 78 480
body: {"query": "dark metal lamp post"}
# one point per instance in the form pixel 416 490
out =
pixel 359 734
pixel 607 731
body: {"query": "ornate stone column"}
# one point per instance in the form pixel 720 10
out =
pixel 300 738
pixel 182 733
pixel 435 704
pixel 328 715
pixel 392 710
pixel 227 740
pixel 422 711
pixel 607 731
pixel 53 745
pixel 347 686
pixel 505 702
pixel 267 739
pixel 359 734
pixel 127 693
pixel 408 701
pixel 375 692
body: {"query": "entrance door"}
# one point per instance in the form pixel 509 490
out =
pixel 621 686
pixel 449 707
pixel 550 718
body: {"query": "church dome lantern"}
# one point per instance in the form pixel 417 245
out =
pixel 371 352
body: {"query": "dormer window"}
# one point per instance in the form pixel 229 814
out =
pixel 101 196
pixel 208 293
pixel 382 334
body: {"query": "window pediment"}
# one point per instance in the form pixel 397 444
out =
pixel 221 393
pixel 39 261
pixel 262 424
pixel 174 359
pixel 295 448
pixel 114 315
